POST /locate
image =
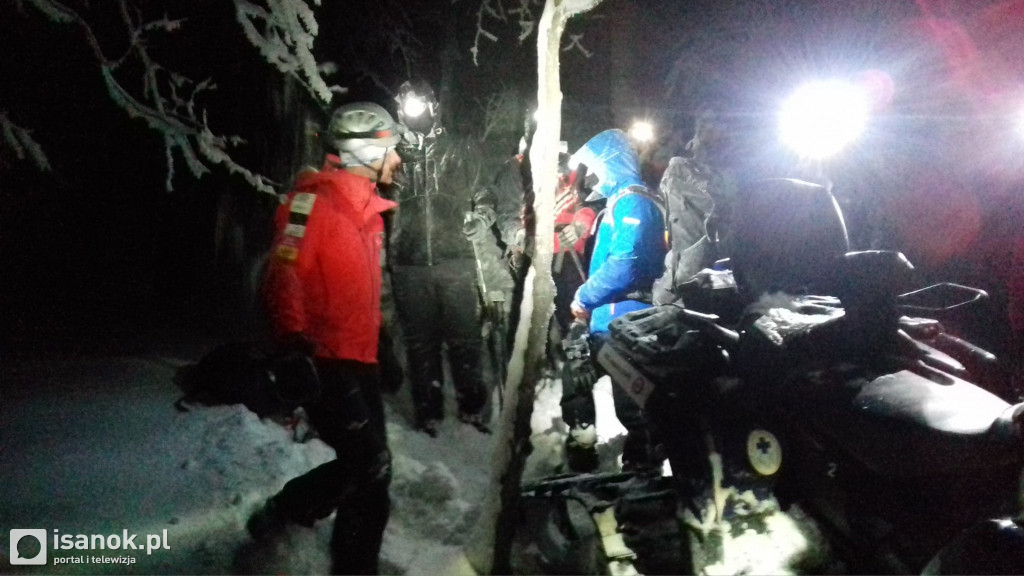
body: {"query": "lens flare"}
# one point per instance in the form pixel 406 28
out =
pixel 414 106
pixel 642 131
pixel 822 118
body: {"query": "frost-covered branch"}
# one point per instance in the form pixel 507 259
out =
pixel 166 102
pixel 524 12
pixel 575 42
pixel 284 32
pixel 19 141
pixel 488 8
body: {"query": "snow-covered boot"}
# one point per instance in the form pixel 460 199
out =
pixel 474 420
pixel 581 448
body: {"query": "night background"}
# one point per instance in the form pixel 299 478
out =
pixel 97 245
pixel 100 257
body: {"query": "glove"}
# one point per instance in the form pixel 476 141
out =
pixel 294 376
pixel 477 226
pixel 569 235
pixel 579 369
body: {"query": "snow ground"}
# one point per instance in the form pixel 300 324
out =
pixel 93 445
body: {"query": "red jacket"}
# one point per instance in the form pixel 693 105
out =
pixel 324 276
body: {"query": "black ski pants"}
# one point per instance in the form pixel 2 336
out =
pixel 349 417
pixel 578 409
pixel 438 305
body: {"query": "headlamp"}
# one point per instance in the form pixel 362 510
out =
pixel 413 106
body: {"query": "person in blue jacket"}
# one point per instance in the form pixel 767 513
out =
pixel 628 256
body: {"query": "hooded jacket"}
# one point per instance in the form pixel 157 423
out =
pixel 629 249
pixel 324 277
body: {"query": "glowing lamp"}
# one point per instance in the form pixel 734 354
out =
pixel 820 119
pixel 414 106
pixel 642 131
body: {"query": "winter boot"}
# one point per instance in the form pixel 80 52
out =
pixel 474 420
pixel 429 426
pixel 266 521
pixel 581 449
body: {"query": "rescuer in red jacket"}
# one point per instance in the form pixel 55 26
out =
pixel 323 296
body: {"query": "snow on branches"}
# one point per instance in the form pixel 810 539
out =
pixel 521 10
pixel 523 13
pixel 20 141
pixel 284 31
pixel 166 99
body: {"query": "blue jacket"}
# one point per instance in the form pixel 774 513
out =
pixel 629 249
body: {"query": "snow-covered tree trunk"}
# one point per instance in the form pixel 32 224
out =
pixel 489 552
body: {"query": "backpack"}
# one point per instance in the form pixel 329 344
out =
pixel 697 204
pixel 267 383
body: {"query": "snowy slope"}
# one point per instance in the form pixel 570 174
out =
pixel 93 445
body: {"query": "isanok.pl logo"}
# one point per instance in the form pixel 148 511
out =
pixel 28 546
pixel 24 542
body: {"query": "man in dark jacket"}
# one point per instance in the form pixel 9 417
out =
pixel 323 296
pixel 443 209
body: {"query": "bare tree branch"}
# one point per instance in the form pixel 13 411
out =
pixel 20 141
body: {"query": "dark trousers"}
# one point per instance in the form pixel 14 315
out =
pixel 440 305
pixel 578 410
pixel 349 417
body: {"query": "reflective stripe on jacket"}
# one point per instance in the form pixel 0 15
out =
pixel 324 277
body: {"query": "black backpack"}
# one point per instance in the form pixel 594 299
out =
pixel 269 384
pixel 697 220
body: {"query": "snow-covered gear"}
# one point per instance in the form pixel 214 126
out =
pixel 629 249
pixel 324 276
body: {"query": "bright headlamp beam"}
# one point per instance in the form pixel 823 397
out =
pixel 821 118
pixel 414 106
pixel 642 131
pixel 1020 123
